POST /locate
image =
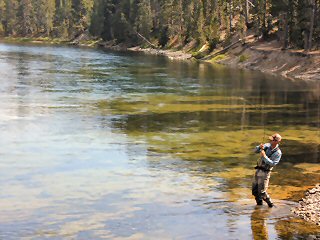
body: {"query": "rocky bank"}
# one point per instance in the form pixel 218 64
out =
pixel 309 206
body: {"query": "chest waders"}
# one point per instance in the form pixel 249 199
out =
pixel 261 178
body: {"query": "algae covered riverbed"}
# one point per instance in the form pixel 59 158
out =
pixel 103 145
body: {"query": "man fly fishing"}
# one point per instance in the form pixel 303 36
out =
pixel 270 155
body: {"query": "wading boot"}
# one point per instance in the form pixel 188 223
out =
pixel 259 201
pixel 268 201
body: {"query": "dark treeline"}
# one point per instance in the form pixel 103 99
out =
pixel 295 23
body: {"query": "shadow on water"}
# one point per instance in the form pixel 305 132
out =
pixel 301 152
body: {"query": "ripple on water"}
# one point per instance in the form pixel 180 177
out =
pixel 132 146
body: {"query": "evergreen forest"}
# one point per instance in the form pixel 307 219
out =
pixel 295 23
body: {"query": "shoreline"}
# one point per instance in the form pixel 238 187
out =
pixel 177 55
pixel 263 56
pixel 268 57
pixel 309 206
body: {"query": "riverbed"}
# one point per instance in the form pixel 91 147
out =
pixel 116 145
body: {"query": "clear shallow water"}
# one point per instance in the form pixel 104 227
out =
pixel 102 145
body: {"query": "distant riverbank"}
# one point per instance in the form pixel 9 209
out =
pixel 262 56
pixel 252 54
pixel 267 57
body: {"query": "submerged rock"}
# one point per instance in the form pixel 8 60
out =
pixel 309 206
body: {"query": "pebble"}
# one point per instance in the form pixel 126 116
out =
pixel 309 206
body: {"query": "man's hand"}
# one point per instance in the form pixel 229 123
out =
pixel 261 146
pixel 263 153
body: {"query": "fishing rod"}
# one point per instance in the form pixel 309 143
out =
pixel 264 126
pixel 261 110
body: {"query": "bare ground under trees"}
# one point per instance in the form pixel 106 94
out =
pixel 270 58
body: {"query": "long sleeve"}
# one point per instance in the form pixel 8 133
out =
pixel 274 160
pixel 258 150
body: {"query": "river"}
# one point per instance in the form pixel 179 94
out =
pixel 105 145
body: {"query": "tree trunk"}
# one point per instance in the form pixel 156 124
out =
pixel 181 22
pixel 219 14
pixel 264 21
pixel 246 13
pixel 286 32
pixel 311 25
pixel 316 14
pixel 230 15
pixel 306 40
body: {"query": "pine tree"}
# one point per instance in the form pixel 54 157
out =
pixel 296 21
pixel 119 20
pixel 63 19
pixel 25 18
pixel 143 20
pixel 9 20
pixel 188 27
pixel 312 20
pixel 81 11
pixel 97 17
pixel 44 12
pixel 200 22
pixel 109 12
pixel 2 16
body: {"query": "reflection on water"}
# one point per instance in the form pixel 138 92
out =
pixel 127 146
pixel 259 225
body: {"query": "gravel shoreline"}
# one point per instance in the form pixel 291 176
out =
pixel 179 55
pixel 309 206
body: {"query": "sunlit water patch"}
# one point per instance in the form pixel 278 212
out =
pixel 103 145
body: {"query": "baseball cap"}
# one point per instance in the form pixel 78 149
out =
pixel 276 137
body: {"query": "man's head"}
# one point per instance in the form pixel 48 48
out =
pixel 276 138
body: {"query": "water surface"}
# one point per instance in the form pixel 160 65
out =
pixel 103 145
